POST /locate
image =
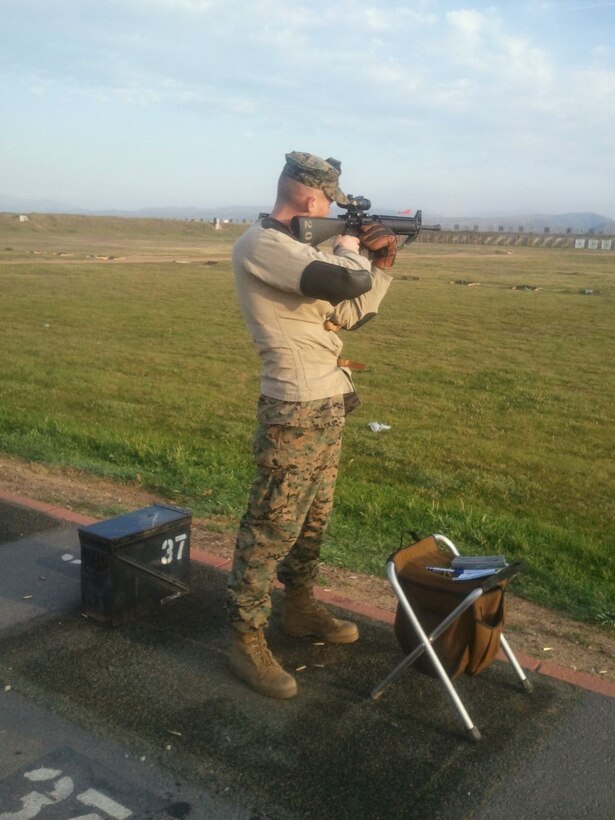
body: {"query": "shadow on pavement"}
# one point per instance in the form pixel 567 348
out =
pixel 18 522
pixel 160 685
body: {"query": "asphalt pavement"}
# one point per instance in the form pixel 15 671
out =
pixel 144 720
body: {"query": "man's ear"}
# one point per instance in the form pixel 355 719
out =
pixel 310 204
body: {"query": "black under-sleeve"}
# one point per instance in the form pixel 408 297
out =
pixel 334 283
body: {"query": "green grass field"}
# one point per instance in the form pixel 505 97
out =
pixel 501 401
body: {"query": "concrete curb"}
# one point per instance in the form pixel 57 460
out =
pixel 536 665
pixel 61 513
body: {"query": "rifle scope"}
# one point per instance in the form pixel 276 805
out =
pixel 357 203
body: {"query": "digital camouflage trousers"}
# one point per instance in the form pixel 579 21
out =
pixel 284 525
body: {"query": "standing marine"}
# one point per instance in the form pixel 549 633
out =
pixel 294 299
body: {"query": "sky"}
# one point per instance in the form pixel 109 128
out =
pixel 458 108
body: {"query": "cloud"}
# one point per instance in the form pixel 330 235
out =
pixel 190 6
pixel 584 6
pixel 480 42
pixel 468 22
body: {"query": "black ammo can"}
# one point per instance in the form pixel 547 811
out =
pixel 135 560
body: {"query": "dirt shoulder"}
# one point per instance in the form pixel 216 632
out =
pixel 532 630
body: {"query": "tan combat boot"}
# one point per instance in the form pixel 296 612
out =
pixel 251 660
pixel 302 615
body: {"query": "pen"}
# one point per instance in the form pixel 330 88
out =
pixel 445 570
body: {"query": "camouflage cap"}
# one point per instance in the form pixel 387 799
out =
pixel 316 173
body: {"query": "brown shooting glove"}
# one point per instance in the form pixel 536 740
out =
pixel 381 242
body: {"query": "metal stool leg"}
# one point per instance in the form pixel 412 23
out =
pixel 527 684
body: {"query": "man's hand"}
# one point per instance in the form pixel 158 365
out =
pixel 331 326
pixel 382 243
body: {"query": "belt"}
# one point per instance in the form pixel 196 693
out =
pixel 352 365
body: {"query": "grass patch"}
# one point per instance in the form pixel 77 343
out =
pixel 500 401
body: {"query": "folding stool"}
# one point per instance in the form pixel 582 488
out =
pixel 410 564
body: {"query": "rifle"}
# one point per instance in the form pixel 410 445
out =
pixel 314 230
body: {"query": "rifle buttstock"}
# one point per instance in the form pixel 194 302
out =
pixel 314 230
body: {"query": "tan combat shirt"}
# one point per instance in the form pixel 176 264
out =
pixel 299 356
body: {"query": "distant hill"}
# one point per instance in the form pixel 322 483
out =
pixel 47 206
pixel 236 213
pixel 531 223
pixel 11 204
